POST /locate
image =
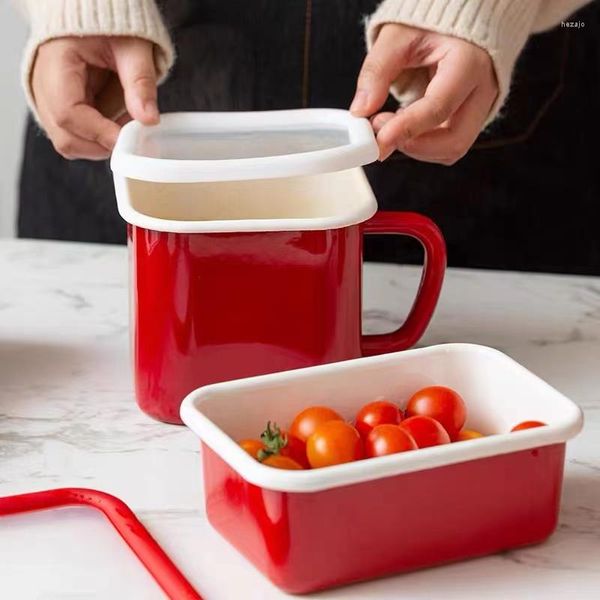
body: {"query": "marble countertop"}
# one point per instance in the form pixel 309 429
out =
pixel 68 418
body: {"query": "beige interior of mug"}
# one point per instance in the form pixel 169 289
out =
pixel 341 194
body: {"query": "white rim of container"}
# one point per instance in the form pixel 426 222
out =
pixel 354 216
pixel 316 480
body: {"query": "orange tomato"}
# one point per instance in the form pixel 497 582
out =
pixel 306 421
pixel 528 425
pixel 388 439
pixel 333 443
pixel 252 447
pixel 282 462
pixel 468 434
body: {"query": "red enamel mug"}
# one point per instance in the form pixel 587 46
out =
pixel 245 235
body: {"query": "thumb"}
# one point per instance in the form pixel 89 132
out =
pixel 382 65
pixel 134 61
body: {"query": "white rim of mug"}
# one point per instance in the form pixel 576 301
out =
pixel 358 215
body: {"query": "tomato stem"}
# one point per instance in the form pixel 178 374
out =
pixel 273 440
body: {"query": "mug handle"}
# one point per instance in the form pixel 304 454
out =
pixel 428 234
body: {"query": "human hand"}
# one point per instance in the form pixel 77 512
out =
pixel 71 81
pixel 441 126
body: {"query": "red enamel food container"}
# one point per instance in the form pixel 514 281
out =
pixel 313 529
pixel 245 236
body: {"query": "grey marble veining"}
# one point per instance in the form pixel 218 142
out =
pixel 68 417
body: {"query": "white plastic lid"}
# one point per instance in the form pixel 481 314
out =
pixel 190 147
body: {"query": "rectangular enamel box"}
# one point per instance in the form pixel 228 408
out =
pixel 310 530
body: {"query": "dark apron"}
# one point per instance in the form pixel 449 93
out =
pixel 526 197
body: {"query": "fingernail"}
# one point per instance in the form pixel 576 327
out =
pixel 151 110
pixel 384 152
pixel 360 102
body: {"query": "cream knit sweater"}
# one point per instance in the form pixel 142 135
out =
pixel 51 19
pixel 499 26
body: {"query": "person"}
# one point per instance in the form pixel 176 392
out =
pixel 522 185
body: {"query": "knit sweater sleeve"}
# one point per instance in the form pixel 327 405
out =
pixel 51 19
pixel 501 27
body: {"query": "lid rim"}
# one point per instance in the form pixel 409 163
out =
pixel 361 149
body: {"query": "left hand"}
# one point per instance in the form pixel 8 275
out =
pixel 441 126
pixel 70 77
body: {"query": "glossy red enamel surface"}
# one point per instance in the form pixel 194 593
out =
pixel 221 306
pixel 309 541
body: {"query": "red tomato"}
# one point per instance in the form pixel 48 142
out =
pixel 281 462
pixel 442 404
pixel 295 449
pixel 375 413
pixel 306 421
pixel 252 447
pixel 388 439
pixel 425 431
pixel 468 434
pixel 333 443
pixel 528 425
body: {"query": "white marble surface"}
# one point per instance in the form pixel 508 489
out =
pixel 68 417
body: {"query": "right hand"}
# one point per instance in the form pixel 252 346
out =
pixel 441 126
pixel 70 81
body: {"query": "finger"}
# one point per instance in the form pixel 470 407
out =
pixel 388 56
pixel 426 157
pixel 134 60
pixel 87 123
pixel 61 85
pixel 447 145
pixel 72 147
pixel 124 119
pixel 380 119
pixel 447 91
pixel 65 106
pixel 110 101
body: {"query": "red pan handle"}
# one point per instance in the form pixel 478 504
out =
pixel 145 547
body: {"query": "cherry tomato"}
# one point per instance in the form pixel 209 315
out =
pixel 333 443
pixel 375 413
pixel 279 442
pixel 252 447
pixel 388 439
pixel 306 421
pixel 528 425
pixel 442 404
pixel 282 462
pixel 296 450
pixel 425 431
pixel 468 434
